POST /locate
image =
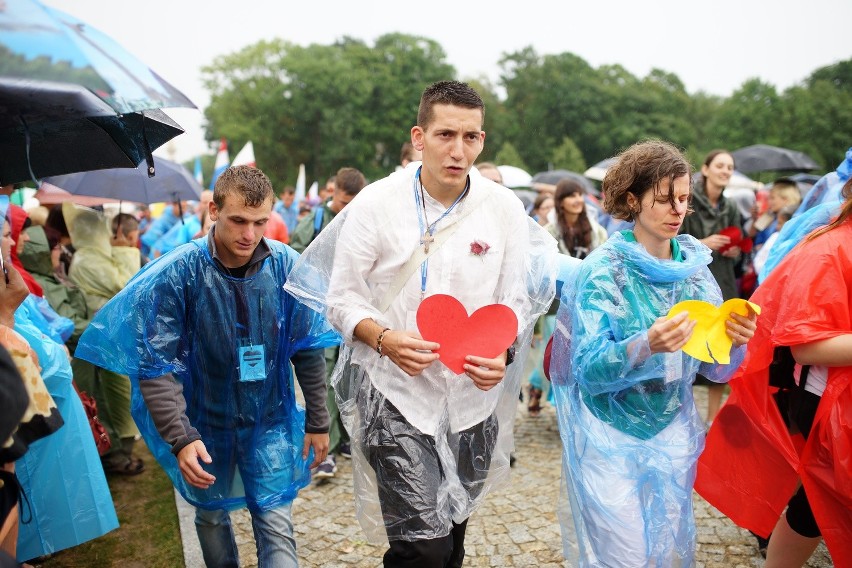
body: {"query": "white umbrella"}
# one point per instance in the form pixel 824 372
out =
pixel 514 176
pixel 598 171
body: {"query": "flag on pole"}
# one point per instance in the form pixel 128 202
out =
pixel 313 192
pixel 223 160
pixel 300 185
pixel 198 175
pixel 245 157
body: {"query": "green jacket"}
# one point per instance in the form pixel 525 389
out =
pixel 65 298
pixel 306 232
pixel 707 220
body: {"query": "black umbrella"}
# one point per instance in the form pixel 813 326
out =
pixel 762 158
pixel 61 129
pixel 173 182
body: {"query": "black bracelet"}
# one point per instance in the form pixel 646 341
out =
pixel 379 342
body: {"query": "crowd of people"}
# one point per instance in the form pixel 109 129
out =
pixel 188 330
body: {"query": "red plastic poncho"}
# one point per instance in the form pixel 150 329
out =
pixel 751 464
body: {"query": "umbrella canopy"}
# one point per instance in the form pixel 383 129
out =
pixel 762 158
pixel 173 182
pixel 547 180
pixel 514 177
pixel 598 171
pixel 48 194
pixel 38 42
pixel 77 143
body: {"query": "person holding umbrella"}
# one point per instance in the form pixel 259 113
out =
pixel 711 214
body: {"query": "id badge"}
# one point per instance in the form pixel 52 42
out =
pixel 252 362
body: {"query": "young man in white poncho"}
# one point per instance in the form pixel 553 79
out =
pixel 428 444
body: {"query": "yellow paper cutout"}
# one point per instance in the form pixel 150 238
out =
pixel 710 342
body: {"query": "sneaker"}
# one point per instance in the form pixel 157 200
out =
pixel 345 450
pixel 326 469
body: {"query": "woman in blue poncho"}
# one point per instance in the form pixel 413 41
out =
pixel 629 426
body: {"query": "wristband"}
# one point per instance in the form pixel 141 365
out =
pixel 379 342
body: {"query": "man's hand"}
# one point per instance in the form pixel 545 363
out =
pixel 319 442
pixel 669 335
pixel 408 351
pixel 190 468
pixel 486 373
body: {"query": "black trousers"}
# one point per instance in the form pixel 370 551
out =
pixel 409 476
pixel 800 517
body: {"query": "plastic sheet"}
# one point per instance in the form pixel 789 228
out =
pixel 630 430
pixel 179 234
pixel 795 230
pixel 752 465
pixel 99 269
pixel 182 315
pixel 448 440
pixel 61 474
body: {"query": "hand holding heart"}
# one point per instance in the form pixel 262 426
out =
pixel 715 330
pixel 488 332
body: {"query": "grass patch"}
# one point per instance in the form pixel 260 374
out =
pixel 148 535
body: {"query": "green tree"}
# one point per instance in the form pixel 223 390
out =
pixel 327 106
pixel 508 156
pixel 749 116
pixel 567 156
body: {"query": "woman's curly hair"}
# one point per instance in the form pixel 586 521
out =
pixel 643 166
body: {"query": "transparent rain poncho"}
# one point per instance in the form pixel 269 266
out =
pixel 449 441
pixel 630 430
pixel 182 315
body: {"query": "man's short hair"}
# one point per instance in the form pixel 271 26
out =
pixel 289 190
pixel 447 93
pixel 247 181
pixel 350 180
pixel 125 222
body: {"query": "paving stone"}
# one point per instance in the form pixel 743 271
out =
pixel 515 527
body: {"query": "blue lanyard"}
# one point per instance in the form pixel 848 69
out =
pixel 422 221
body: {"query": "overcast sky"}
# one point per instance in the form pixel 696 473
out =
pixel 712 45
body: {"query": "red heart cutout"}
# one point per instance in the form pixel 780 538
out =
pixel 487 332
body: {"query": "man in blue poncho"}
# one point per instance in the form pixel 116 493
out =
pixel 206 334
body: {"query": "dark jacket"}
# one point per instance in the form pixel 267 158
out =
pixel 707 220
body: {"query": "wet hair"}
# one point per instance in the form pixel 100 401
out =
pixel 126 222
pixel 447 93
pixel 708 159
pixel 787 189
pixel 642 167
pixel 845 212
pixel 247 181
pixel 350 180
pixel 578 235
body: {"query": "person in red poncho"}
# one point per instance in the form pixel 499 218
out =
pixel 758 450
pixel 18 221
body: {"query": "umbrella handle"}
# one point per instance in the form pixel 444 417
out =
pixel 149 159
pixel 27 142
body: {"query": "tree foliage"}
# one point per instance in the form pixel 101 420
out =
pixel 352 104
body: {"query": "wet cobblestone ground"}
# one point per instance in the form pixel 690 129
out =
pixel 516 526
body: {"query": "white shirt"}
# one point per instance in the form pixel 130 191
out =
pixel 379 235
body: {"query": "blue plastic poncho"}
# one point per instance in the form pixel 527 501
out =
pixel 630 429
pixel 182 315
pixel 61 475
pixel 156 229
pixel 179 234
pixel 795 230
